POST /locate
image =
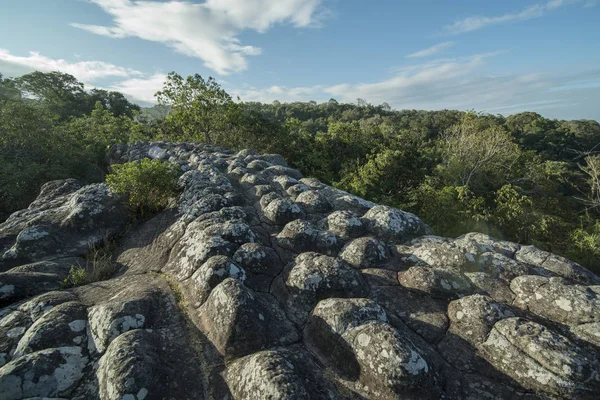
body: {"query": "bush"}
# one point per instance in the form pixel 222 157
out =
pixel 147 184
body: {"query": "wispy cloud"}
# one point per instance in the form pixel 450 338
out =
pixel 431 50
pixel 87 71
pixel 209 30
pixel 134 84
pixel 476 22
pixel 141 89
pixel 462 84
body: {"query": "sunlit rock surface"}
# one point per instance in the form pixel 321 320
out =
pixel 259 283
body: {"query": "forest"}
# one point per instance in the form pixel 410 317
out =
pixel 524 178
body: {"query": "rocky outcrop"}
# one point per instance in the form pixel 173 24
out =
pixel 258 283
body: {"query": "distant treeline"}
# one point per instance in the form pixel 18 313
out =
pixel 524 178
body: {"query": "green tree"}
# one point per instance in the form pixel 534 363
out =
pixel 115 102
pixel 62 93
pixel 8 91
pixel 199 107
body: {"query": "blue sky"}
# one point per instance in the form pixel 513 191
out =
pixel 493 56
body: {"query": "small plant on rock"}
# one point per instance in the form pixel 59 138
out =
pixel 147 184
pixel 99 266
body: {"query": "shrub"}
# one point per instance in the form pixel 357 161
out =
pixel 147 184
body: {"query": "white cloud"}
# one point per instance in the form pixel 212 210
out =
pixel 141 89
pixel 431 50
pixel 86 71
pixel 461 84
pixel 209 30
pixel 478 22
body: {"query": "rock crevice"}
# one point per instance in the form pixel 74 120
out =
pixel 259 283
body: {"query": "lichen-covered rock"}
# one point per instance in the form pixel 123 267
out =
pixel 62 222
pixel 420 312
pixel 128 370
pixel 542 360
pixel 345 224
pixel 281 373
pixel 109 320
pixel 301 236
pixel 36 278
pixel 555 299
pixel 239 321
pixel 313 277
pixel 312 201
pixel 435 251
pixel 391 366
pixel 557 265
pixel 282 211
pixel 193 249
pixel 63 326
pixel 214 271
pixel 365 252
pixel 212 294
pixel 45 373
pixel 438 283
pixel 330 319
pixel 476 242
pixel 395 225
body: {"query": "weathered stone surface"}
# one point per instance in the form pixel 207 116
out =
pixel 542 360
pixel 313 277
pixel 346 224
pixel 302 236
pixel 330 319
pixel 212 294
pixel 557 265
pixel 421 313
pixel 282 211
pixel 365 252
pixel 36 278
pixel 281 373
pixel 63 221
pixel 403 373
pixel 128 370
pixel 214 271
pixel 555 299
pixel 393 224
pixel 438 283
pixel 312 201
pixel 63 326
pixel 239 321
pixel 46 373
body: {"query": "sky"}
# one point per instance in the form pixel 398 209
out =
pixel 499 57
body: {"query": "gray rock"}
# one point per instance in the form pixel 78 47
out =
pixel 557 265
pixel 541 360
pixel 239 321
pixel 313 277
pixel 396 225
pixel 438 283
pixel 281 373
pixel 403 373
pixel 63 326
pixel 301 236
pixel 365 252
pixel 312 201
pixel 345 224
pixel 282 211
pixel 61 223
pixel 46 373
pixel 330 319
pixel 556 300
